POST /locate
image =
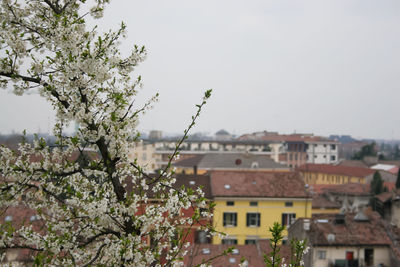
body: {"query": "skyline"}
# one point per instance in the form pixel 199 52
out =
pixel 310 67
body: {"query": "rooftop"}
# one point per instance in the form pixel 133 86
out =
pixel 321 202
pixel 352 189
pixel 229 161
pixel 252 253
pixel 325 231
pixel 257 184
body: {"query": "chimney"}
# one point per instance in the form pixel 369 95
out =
pixel 306 224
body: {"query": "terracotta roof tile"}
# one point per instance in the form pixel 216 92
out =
pixel 252 253
pixel 351 232
pixel 353 163
pixel 321 202
pixel 230 161
pixel 257 184
pixel 353 189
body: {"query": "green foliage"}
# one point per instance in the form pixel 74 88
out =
pixel 367 150
pixel 274 258
pixel 376 189
pixel 376 184
pixel 398 180
pixel 298 249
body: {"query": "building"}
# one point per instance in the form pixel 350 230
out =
pixel 388 206
pixel 348 240
pixel 248 203
pixel 227 161
pixel 334 174
pixel 322 204
pixel 144 155
pixel 223 135
pixel 351 197
pixel 301 148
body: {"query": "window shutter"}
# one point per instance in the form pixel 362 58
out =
pixel 235 219
pixel 224 219
pixel 258 219
pixel 283 219
pixel 247 219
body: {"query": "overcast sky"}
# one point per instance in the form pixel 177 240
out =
pixel 325 67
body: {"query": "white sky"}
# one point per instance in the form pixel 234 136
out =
pixel 327 67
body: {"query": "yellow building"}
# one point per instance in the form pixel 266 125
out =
pixel 334 174
pixel 248 203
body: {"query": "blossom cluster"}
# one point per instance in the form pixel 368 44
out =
pixel 94 205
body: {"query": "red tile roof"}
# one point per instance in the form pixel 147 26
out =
pixel 321 202
pixel 257 184
pixel 336 170
pixel 350 233
pixel 252 253
pixel 353 189
pixel 353 163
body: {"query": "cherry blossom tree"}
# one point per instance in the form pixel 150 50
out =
pixel 93 211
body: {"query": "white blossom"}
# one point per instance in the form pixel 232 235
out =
pixel 95 210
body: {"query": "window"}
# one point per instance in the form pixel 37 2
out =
pixel 321 254
pixel 315 156
pixel 253 203
pixel 333 147
pixel 289 204
pixel 202 237
pixel 229 241
pixel 333 158
pixel 230 203
pixel 230 219
pixel 250 241
pixel 288 218
pixel 369 256
pixel 253 219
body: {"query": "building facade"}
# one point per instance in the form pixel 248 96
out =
pixel 248 203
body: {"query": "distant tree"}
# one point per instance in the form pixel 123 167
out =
pixel 396 153
pixel 376 188
pixel 367 150
pixel 377 184
pixel 398 180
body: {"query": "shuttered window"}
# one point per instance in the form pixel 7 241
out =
pixel 253 219
pixel 230 219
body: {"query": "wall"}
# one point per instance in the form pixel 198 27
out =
pixel 324 178
pixel 381 255
pixel 146 156
pixel 322 153
pixel 270 210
